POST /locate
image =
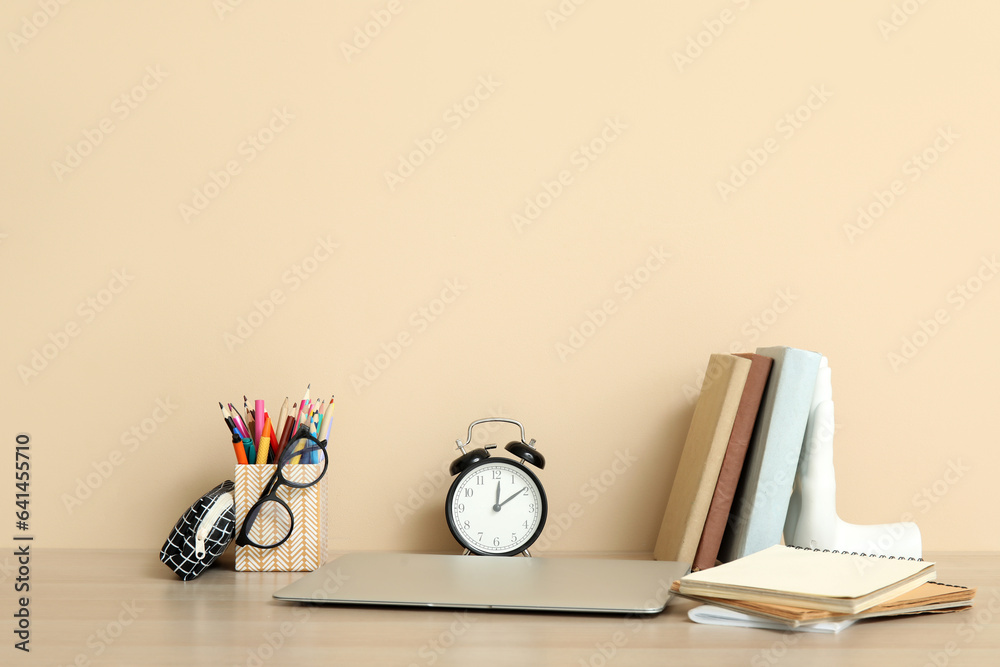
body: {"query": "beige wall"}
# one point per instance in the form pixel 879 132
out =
pixel 777 259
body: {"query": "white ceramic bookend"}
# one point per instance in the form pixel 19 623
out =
pixel 812 519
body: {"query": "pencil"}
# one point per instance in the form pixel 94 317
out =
pixel 286 435
pixel 313 456
pixel 273 438
pixel 327 419
pixel 281 419
pixel 226 417
pixel 238 420
pixel 302 405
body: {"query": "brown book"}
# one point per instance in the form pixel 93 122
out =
pixel 704 448
pixel 732 464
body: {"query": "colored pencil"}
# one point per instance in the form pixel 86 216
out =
pixel 272 438
pixel 302 405
pixel 238 420
pixel 281 418
pixel 226 417
pixel 286 434
pixel 327 420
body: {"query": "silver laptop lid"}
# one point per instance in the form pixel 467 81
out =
pixel 490 582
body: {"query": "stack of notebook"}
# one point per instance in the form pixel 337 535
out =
pixel 793 587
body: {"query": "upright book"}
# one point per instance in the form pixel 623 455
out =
pixel 732 463
pixel 704 449
pixel 758 513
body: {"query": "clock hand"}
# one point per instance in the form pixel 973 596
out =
pixel 512 497
pixel 497 505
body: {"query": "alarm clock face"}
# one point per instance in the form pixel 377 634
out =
pixel 496 507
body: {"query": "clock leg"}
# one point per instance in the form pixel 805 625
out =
pixel 526 553
pixel 466 552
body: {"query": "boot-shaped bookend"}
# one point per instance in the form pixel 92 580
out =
pixel 812 519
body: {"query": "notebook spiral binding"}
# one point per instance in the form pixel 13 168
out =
pixel 853 553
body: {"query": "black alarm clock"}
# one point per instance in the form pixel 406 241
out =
pixel 496 506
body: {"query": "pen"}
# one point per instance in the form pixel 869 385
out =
pixel 241 454
pixel 251 451
pixel 265 439
pixel 258 416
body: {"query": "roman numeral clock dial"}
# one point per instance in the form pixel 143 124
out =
pixel 496 506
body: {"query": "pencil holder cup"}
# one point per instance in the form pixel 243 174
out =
pixel 305 548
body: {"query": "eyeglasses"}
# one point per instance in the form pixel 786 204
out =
pixel 270 521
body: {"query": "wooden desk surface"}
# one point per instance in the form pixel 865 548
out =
pixel 126 608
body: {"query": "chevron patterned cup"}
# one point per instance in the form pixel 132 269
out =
pixel 305 549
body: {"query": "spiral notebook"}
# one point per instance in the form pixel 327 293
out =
pixel 826 580
pixel 932 597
